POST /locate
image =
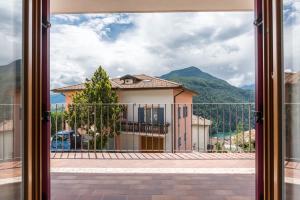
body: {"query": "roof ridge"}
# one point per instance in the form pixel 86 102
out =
pixel 168 81
pixel 68 86
pixel 116 83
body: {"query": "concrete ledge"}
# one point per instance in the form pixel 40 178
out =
pixel 156 170
pixel 106 6
pixel 10 180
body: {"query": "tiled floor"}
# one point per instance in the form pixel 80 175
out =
pixel 175 177
pixel 10 191
pixel 145 176
pixel 152 187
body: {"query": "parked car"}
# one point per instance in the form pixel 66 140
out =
pixel 65 141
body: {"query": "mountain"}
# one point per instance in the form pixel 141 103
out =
pixel 10 81
pixel 248 87
pixel 211 89
pixel 57 98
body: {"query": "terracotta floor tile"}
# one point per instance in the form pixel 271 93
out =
pixel 115 197
pixel 154 186
pixel 163 197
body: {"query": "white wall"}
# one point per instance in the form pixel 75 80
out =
pixel 6 145
pixel 156 98
pixel 130 142
pixel 199 138
pixel 146 96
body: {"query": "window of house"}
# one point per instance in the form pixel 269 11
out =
pixel 128 81
pixel 158 116
pixel 151 115
pixel 141 115
pixel 148 115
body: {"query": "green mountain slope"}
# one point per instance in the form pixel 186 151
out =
pixel 211 89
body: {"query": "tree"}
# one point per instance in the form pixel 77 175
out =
pixel 242 140
pixel 56 122
pixel 95 111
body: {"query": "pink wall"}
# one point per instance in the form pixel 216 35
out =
pixel 69 97
pixel 183 125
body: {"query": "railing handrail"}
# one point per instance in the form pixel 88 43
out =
pixel 10 104
pixel 93 104
pixel 227 124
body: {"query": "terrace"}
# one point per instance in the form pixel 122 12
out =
pixel 192 142
pixel 219 143
pixel 225 154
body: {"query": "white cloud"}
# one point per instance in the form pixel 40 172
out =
pixel 291 32
pixel 155 43
pixel 10 31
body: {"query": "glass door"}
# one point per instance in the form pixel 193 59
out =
pixel 291 41
pixel 11 76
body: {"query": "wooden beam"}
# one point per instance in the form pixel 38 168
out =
pixel 107 6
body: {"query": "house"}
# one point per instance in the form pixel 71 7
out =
pixel 158 113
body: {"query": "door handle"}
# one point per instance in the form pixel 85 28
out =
pixel 259 118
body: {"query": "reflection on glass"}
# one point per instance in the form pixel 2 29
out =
pixel 291 31
pixel 10 99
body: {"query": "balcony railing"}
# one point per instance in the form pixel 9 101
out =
pixel 137 127
pixel 206 127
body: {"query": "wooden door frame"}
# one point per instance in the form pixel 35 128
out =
pixel 31 99
pixel 37 170
pixel 46 114
pixel 273 99
pixel 259 100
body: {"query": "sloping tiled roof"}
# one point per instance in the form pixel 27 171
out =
pixel 144 82
pixel 292 78
pixel 198 120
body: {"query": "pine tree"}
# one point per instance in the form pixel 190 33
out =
pixel 95 111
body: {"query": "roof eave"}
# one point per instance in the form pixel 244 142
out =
pixel 194 93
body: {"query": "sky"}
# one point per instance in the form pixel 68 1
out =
pixel 220 43
pixel 10 31
pixel 152 43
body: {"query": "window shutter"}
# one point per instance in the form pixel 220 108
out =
pixel 148 115
pixel 161 117
pixel 141 115
pixel 179 112
pixel 185 111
